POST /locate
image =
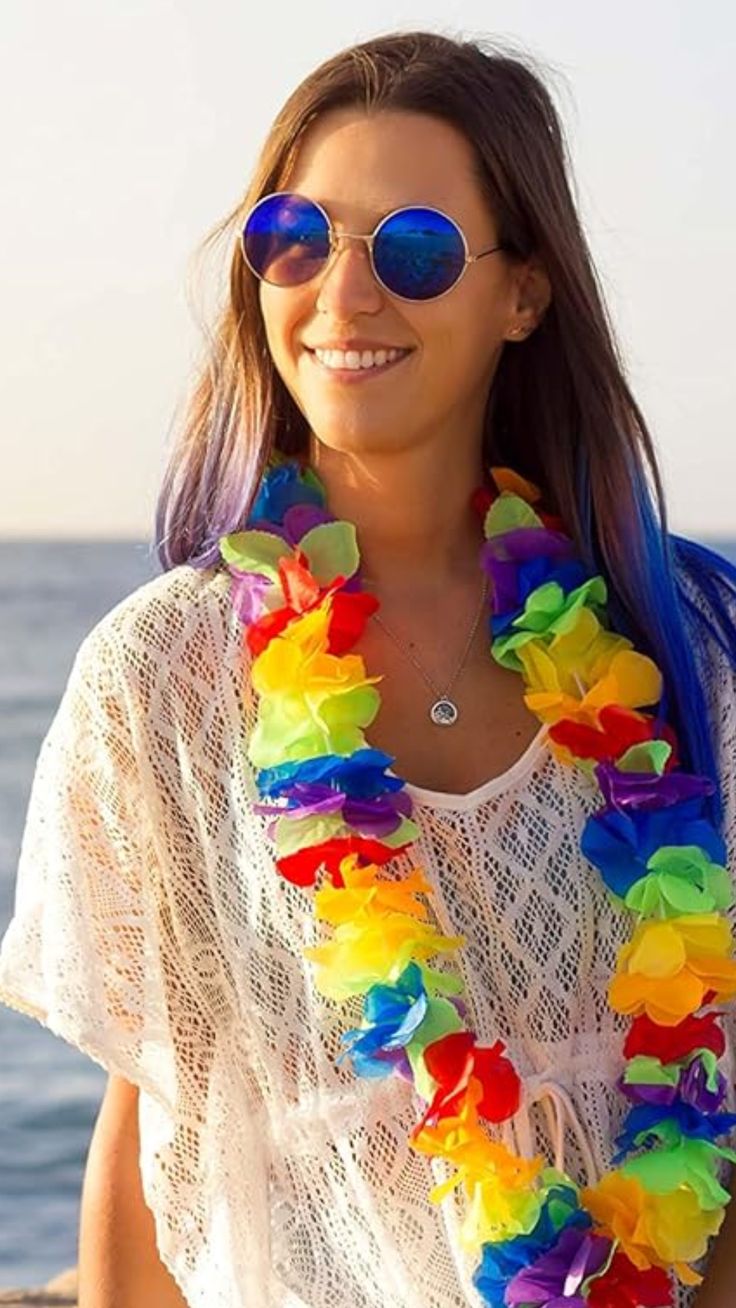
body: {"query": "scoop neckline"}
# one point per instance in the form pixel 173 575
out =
pixel 461 801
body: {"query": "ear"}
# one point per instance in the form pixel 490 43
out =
pixel 533 294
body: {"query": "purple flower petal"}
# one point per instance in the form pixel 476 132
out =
pixel 331 804
pixel 647 790
pixel 553 1280
pixel 372 817
pixel 247 590
pixel 504 584
pixel 524 543
pixel 693 1088
pixel 301 518
pixel 402 802
pixel 661 1095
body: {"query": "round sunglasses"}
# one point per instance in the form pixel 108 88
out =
pixel 416 252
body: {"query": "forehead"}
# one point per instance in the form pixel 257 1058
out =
pixel 362 165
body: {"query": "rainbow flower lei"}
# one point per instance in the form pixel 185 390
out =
pixel 541 1240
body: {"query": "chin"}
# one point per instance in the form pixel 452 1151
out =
pixel 345 440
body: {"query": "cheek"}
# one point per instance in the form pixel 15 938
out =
pixel 462 348
pixel 281 314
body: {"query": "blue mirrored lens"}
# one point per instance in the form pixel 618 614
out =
pixel 419 253
pixel 286 239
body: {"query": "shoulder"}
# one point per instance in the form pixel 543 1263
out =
pixel 166 607
pixel 166 611
pixel 174 618
pixel 706 582
pixel 707 586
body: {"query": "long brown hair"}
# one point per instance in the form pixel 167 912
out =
pixel 559 399
pixel 560 409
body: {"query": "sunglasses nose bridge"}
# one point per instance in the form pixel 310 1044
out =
pixel 335 239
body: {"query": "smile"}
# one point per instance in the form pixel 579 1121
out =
pixel 350 368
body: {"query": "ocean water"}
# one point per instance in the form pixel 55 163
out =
pixel 51 594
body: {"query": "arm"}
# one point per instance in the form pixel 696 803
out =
pixel 119 1266
pixel 717 1290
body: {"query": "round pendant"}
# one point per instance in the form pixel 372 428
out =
pixel 444 713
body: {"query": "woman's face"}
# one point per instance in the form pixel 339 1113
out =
pixel 359 167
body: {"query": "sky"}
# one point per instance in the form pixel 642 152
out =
pixel 128 130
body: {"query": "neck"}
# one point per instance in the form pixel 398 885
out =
pixel 417 530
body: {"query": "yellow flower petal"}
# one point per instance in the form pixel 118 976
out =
pixel 659 951
pixel 375 949
pixel 668 967
pixel 366 888
pixel 653 1229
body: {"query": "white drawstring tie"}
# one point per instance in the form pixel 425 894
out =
pixel 559 1111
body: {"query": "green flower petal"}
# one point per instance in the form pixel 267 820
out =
pixel 285 732
pixel 404 834
pixel 681 879
pixel 720 886
pixel 507 513
pixel 645 897
pixel 645 1070
pixel 354 708
pixel 292 834
pixel 548 612
pixel 331 550
pixel 685 860
pixel 649 756
pixel 683 897
pixel 440 1019
pixel 689 1162
pixel 710 1063
pixel 255 551
pixel 442 983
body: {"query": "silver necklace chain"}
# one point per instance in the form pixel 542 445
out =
pixel 444 712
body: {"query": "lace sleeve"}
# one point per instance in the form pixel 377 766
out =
pixel 719 679
pixel 115 945
pixel 82 953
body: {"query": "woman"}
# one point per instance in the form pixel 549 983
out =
pixel 411 1089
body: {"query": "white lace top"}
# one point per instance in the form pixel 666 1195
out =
pixel 152 932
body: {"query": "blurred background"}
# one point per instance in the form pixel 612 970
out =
pixel 128 131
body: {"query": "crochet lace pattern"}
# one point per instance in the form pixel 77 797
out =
pixel 539 1239
pixel 151 930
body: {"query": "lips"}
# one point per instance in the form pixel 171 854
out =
pixel 358 345
pixel 352 375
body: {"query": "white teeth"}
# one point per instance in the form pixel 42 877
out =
pixel 356 359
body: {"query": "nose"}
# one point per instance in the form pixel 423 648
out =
pixel 347 285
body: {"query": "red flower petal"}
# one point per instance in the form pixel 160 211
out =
pixel 454 1059
pixel 625 1286
pixel 482 499
pixel 500 1081
pixel 551 521
pixel 301 867
pixel 350 612
pixel 301 590
pixel 618 729
pixel 262 632
pixel 670 1043
pixel 446 1059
